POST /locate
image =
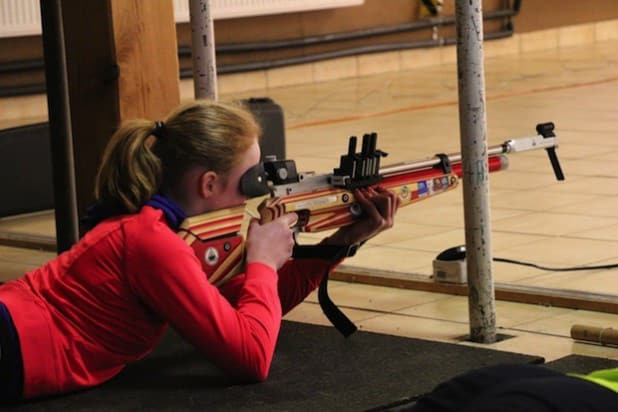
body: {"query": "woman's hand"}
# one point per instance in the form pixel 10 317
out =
pixel 271 243
pixel 379 208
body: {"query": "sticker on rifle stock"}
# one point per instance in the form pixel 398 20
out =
pixel 211 256
pixel 320 201
pixel 422 188
pixel 437 184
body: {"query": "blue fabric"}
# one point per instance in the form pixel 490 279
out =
pixel 173 213
pixel 11 363
pixel 98 212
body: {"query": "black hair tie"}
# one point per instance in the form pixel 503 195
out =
pixel 159 130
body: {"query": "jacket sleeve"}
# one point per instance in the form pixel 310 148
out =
pixel 297 279
pixel 164 273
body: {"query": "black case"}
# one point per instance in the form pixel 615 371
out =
pixel 25 170
pixel 270 116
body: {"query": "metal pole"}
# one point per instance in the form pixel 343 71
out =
pixel 63 168
pixel 203 50
pixel 473 139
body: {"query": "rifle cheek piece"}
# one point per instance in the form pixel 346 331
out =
pixel 253 182
pixel 281 172
pixel 256 181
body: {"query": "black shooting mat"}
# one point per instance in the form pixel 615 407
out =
pixel 314 368
pixel 582 364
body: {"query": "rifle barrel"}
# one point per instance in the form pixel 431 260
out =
pixel 433 161
pixel 510 146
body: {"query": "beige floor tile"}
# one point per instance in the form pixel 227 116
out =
pixel 383 258
pixel 502 47
pixel 608 158
pixel 599 351
pixel 402 232
pixel 548 347
pixel 599 206
pixel 588 167
pixel 436 211
pixel 598 185
pixel 335 69
pixel 378 298
pixel 561 324
pixel 308 312
pixel 19 255
pixel 507 273
pixel 508 314
pixel 439 242
pixel 417 58
pixel 604 233
pixel 23 110
pixel 551 224
pixel 241 82
pixel 38 223
pixel 576 35
pixel 377 63
pixel 574 150
pixel 519 177
pixel 549 201
pixel 561 252
pixel 603 282
pixel 448 55
pixel 287 76
pixel 606 30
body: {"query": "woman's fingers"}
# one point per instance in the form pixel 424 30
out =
pixel 271 243
pixel 395 203
pixel 290 219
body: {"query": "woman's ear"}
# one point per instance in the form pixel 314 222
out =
pixel 208 184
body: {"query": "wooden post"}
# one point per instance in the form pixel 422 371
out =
pixel 122 63
pixel 61 142
pixel 146 52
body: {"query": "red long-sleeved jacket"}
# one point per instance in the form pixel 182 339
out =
pixel 107 301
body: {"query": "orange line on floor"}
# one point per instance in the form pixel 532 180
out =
pixel 447 103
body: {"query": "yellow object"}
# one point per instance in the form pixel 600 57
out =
pixel 603 377
pixel 428 8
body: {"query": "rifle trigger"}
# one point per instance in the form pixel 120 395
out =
pixel 303 218
pixel 445 163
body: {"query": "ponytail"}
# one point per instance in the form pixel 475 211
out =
pixel 130 173
pixel 145 157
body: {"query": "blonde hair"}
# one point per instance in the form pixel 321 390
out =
pixel 136 165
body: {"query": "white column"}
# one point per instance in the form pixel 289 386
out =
pixel 473 136
pixel 203 50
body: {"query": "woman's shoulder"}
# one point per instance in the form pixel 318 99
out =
pixel 149 229
pixel 148 216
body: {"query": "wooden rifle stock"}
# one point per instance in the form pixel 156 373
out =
pixel 326 201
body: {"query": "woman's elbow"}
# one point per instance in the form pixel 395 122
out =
pixel 255 374
pixel 261 375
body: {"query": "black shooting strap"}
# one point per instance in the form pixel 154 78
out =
pixel 334 254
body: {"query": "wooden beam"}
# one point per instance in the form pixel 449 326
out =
pixel 563 298
pixel 122 63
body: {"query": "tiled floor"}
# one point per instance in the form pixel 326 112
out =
pixel 534 218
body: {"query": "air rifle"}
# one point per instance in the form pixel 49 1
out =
pixel 326 201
